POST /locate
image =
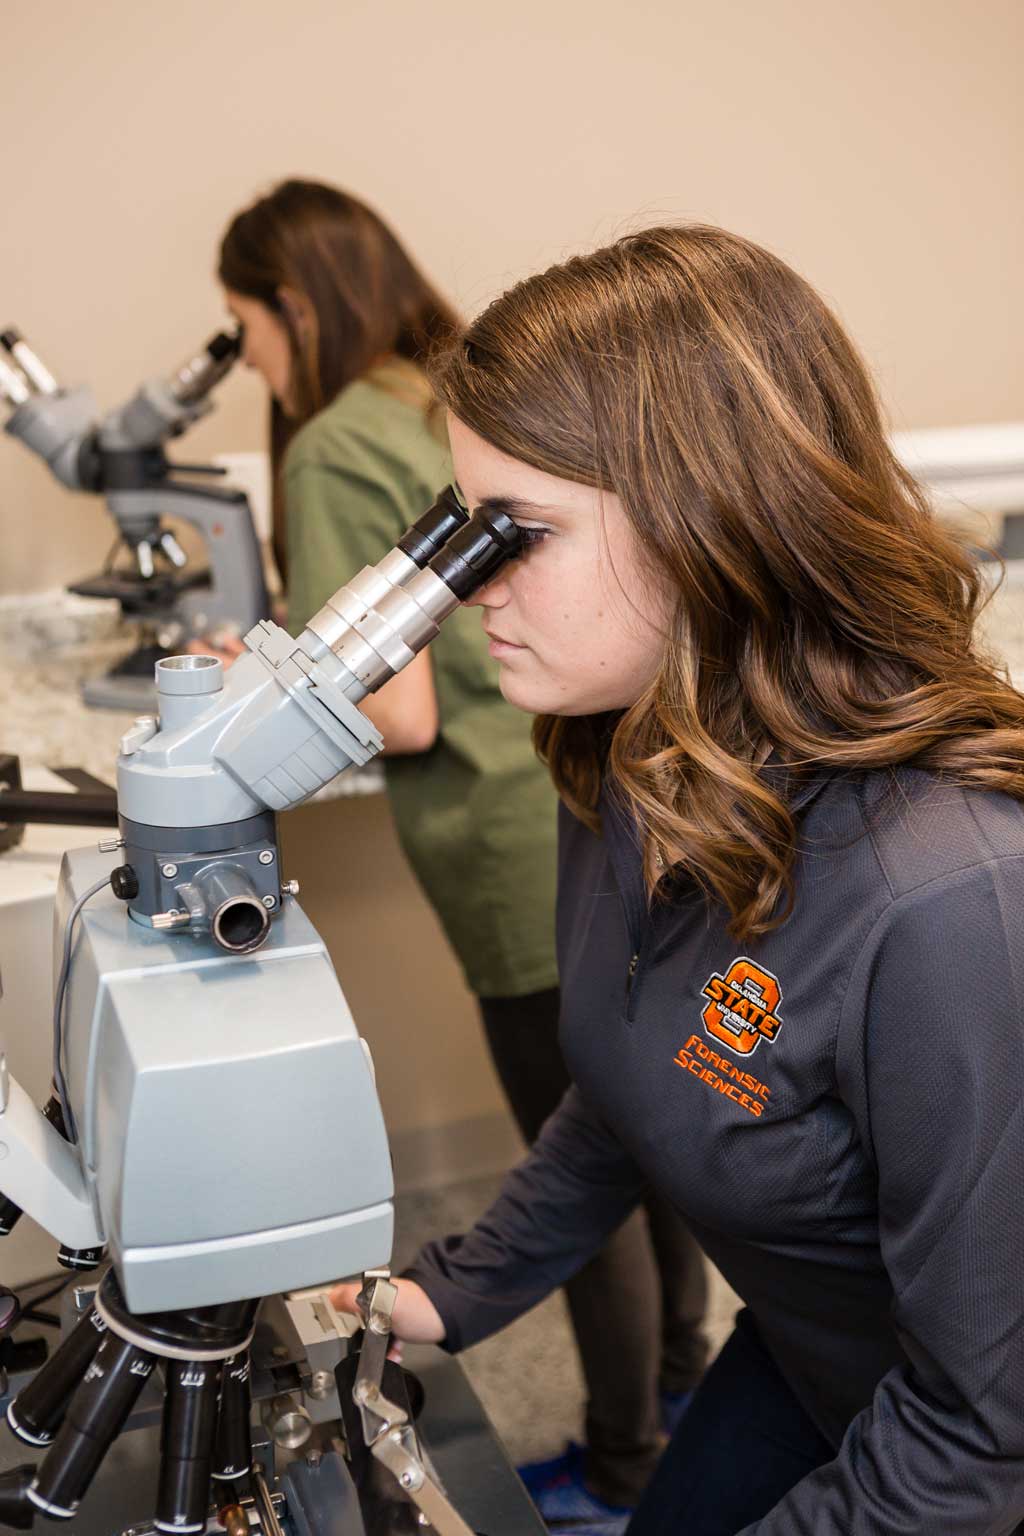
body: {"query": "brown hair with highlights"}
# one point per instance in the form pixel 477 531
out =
pixel 823 615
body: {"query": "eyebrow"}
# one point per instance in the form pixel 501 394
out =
pixel 512 506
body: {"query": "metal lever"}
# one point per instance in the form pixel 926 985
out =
pixel 386 1429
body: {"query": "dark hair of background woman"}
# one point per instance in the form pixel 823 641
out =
pixel 368 298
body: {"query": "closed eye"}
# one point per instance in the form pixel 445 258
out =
pixel 531 536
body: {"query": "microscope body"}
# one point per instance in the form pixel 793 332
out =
pixel 215 1122
pixel 230 1134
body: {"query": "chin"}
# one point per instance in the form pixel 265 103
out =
pixel 536 699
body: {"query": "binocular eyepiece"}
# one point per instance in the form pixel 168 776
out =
pixel 195 378
pixel 380 619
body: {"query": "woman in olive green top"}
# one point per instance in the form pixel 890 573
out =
pixel 338 320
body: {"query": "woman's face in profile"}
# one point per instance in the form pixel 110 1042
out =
pixel 266 345
pixel 578 623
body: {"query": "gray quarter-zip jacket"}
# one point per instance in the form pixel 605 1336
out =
pixel 837 1109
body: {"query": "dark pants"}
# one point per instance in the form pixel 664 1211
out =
pixel 637 1308
pixel 743 1443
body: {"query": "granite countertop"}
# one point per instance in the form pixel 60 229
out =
pixel 46 723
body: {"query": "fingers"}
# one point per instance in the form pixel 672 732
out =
pixel 415 1318
pixel 343 1297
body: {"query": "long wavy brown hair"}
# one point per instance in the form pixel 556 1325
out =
pixel 368 298
pixel 823 616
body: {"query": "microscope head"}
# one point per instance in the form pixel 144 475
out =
pixel 56 424
pixel 198 787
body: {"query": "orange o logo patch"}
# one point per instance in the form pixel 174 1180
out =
pixel 743 1007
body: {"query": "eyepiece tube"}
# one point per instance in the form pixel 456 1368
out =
pixel 32 366
pixel 194 379
pixel 425 538
pixel 477 552
pixel 377 642
pixel 349 606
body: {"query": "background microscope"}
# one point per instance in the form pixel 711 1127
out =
pixel 121 457
pixel 198 1023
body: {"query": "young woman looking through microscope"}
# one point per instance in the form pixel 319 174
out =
pixel 340 322
pixel 791 887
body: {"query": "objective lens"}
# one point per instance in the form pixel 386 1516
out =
pixel 16 1508
pixel 37 1412
pixel 233 1456
pixel 95 1418
pixel 190 1420
pixel 80 1258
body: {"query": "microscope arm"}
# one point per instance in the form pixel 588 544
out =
pixel 41 1171
pixel 237 594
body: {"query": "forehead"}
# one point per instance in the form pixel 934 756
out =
pixel 243 306
pixel 484 471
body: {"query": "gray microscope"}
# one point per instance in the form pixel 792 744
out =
pixel 121 457
pixel 198 1023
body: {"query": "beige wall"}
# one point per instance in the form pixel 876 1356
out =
pixel 877 145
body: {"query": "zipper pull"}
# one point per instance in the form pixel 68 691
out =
pixel 634 961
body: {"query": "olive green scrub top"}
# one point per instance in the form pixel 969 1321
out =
pixel 476 813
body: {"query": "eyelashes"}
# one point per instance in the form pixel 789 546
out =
pixel 531 536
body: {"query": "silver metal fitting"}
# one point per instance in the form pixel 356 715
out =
pixel 110 844
pixel 266 856
pixel 172 919
pixel 169 871
pixel 290 888
pixel 270 902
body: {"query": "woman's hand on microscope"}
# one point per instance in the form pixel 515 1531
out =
pixel 415 1319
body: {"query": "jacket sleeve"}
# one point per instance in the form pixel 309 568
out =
pixel 554 1212
pixel 931 1061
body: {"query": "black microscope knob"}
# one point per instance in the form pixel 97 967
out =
pixel 124 882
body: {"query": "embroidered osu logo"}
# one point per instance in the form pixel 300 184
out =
pixel 744 1006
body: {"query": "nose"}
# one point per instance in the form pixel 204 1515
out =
pixel 493 594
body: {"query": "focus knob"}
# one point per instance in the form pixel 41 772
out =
pixel 124 882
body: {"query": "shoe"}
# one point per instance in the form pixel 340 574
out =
pixel 565 1503
pixel 536 1475
pixel 673 1407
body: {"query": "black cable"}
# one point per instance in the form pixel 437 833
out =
pixel 48 1319
pixel 54 1290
